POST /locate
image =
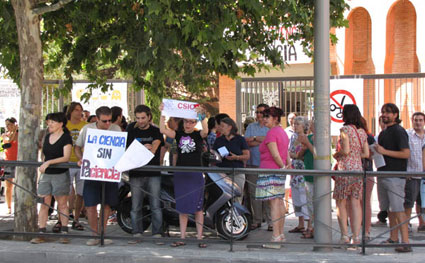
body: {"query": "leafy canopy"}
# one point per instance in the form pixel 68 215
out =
pixel 158 42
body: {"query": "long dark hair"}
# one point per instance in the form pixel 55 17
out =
pixel 232 123
pixel 351 115
pixel 71 108
pixel 58 117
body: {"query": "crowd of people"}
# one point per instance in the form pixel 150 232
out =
pixel 264 144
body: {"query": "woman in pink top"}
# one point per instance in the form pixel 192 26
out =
pixel 271 187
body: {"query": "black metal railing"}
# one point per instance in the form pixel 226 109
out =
pixel 231 172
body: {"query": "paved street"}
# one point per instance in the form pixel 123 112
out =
pixel 151 251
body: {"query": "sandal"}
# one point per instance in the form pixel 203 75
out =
pixel 297 230
pixel 390 241
pixel 77 226
pixel 57 227
pixel 270 228
pixel 274 242
pixel 308 234
pixel 404 249
pixel 178 244
pixel 202 245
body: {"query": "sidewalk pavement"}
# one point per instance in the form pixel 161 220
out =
pixel 248 250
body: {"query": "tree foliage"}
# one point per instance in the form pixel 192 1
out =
pixel 160 42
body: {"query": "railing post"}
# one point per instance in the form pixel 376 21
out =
pixel 322 184
pixel 364 211
pixel 231 211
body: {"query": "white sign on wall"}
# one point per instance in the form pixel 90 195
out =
pixel 115 97
pixel 342 92
pixel 10 100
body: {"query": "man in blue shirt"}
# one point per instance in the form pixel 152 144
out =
pixel 254 136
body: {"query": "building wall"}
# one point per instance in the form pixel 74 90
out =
pixel 383 36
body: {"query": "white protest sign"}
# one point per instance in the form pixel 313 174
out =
pixel 180 109
pixel 102 150
pixel 137 155
pixel 342 92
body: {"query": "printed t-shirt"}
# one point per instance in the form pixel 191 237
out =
pixel 189 148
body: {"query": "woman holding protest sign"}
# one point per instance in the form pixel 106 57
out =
pixel 188 186
pixel 55 182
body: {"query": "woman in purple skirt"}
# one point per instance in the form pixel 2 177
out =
pixel 188 186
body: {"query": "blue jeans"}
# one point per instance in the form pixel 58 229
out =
pixel 151 186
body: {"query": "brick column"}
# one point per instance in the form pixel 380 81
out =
pixel 227 96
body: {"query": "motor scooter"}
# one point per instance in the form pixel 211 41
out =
pixel 222 213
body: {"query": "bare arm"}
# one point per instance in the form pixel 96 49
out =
pixel 78 153
pixel 244 157
pixel 204 132
pixel 402 154
pixel 165 130
pixel 365 150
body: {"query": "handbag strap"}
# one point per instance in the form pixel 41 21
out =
pixel 358 136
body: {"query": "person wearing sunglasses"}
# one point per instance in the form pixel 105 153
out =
pixel 254 136
pixel 188 186
pixel 92 193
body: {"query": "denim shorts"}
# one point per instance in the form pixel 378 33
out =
pixel 54 184
pixel 92 193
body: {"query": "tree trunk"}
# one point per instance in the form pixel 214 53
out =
pixel 31 62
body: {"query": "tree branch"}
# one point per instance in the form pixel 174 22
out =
pixel 51 8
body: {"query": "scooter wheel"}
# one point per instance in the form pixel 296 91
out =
pixel 227 227
pixel 123 215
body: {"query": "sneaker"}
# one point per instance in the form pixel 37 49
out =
pixel 157 236
pixel 379 224
pixel 135 241
pixel 93 242
pixel 107 242
pixel 37 240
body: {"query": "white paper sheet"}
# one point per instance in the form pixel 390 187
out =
pixel 223 151
pixel 377 158
pixel 180 109
pixel 136 155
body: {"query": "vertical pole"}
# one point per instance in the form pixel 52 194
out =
pixel 231 210
pixel 364 210
pixel 322 139
pixel 102 217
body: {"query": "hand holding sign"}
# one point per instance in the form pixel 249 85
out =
pixel 179 108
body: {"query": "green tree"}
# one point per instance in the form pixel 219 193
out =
pixel 154 42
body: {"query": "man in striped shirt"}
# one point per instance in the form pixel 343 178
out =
pixel 414 164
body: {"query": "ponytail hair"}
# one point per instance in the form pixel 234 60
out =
pixel 59 117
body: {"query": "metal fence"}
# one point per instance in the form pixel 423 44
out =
pixel 230 173
pixel 295 94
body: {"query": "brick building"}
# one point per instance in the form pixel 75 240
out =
pixel 383 37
